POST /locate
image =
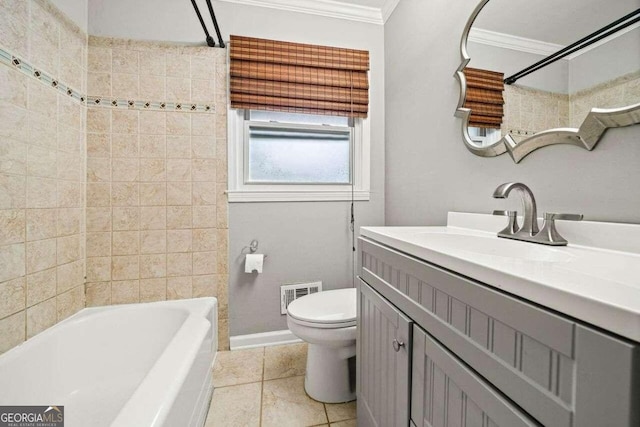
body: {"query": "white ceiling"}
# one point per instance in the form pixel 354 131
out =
pixel 553 21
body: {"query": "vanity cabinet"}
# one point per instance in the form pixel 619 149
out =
pixel 479 356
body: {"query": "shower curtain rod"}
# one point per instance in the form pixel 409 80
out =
pixel 210 41
pixel 594 37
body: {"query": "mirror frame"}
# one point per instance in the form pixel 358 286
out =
pixel 598 120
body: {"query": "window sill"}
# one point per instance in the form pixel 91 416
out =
pixel 295 196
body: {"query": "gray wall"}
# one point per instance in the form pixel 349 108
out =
pixel 304 241
pixel 429 171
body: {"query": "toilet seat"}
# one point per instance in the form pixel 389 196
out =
pixel 325 310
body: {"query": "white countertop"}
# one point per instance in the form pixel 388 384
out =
pixel 598 284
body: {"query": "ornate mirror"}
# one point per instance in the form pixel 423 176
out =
pixel 537 73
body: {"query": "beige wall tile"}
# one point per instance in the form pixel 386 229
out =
pixel 70 275
pixel 41 286
pixel 178 147
pixel 153 266
pixel 179 217
pixel 99 59
pixel 204 217
pixel 204 262
pixel 41 224
pixel 99 84
pixel 179 264
pixel 41 162
pixel 178 65
pixel 125 169
pixel 98 145
pixel 204 170
pixel 153 290
pixel 202 67
pixel 98 194
pixel 152 63
pixel 125 292
pixel 153 218
pixel 204 193
pixel 178 124
pixel 12 226
pixel 13 29
pixel 124 121
pixel 41 192
pixel 126 218
pixel 153 122
pixel 70 220
pixel 68 248
pixel 125 267
pixel 70 302
pixel 203 90
pixel 205 239
pixel 153 194
pixel 71 166
pixel 98 244
pixel 179 241
pixel 125 194
pixel 98 294
pixel 125 86
pixel 153 241
pixel 12 296
pixel 152 88
pixel 70 194
pixel 153 146
pixel 203 147
pixel 124 145
pixel 41 317
pixel 153 170
pixel 15 120
pixel 124 61
pixel 12 331
pixel 98 169
pixel 98 218
pixel 13 156
pixel 179 288
pixel 41 255
pixel 98 269
pixel 179 193
pixel 12 191
pixel 204 286
pixel 125 243
pixel 98 120
pixel 178 89
pixel 179 170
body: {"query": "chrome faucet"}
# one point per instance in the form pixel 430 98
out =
pixel 529 231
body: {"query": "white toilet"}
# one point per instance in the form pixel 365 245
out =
pixel 327 321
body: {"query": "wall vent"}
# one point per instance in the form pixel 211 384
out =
pixel 289 293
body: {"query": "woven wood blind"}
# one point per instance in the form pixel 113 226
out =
pixel 298 78
pixel 484 97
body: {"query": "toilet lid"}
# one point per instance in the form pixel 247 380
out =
pixel 328 307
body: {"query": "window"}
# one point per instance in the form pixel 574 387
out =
pixel 276 156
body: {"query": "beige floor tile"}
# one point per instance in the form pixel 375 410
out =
pixel 238 367
pixel 284 403
pixel 341 411
pixel 348 423
pixel 285 361
pixel 235 406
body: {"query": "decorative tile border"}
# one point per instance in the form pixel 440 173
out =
pixel 15 62
pixel 29 70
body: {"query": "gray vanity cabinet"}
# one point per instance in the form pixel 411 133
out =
pixel 482 355
pixel 383 365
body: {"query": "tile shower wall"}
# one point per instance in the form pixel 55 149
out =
pixel 42 171
pixel 156 180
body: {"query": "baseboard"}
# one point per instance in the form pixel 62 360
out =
pixel 264 339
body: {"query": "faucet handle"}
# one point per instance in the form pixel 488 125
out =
pixel 512 227
pixel 563 216
pixel 549 234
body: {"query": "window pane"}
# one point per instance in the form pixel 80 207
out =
pixel 300 156
pixel 307 119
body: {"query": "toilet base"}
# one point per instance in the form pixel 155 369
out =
pixel 328 378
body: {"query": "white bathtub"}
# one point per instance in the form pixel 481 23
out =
pixel 138 365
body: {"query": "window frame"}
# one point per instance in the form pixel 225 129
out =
pixel 241 191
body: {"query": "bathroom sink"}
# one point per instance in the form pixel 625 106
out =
pixel 491 246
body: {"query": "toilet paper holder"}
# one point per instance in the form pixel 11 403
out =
pixel 253 248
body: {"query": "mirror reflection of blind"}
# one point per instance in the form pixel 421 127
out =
pixel 484 97
pixel 298 78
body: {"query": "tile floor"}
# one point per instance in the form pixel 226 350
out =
pixel 265 387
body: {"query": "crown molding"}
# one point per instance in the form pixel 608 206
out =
pixel 328 8
pixel 387 9
pixel 508 41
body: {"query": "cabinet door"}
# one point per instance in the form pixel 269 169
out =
pixel 445 392
pixel 384 338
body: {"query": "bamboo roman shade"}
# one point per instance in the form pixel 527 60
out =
pixel 298 78
pixel 484 97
